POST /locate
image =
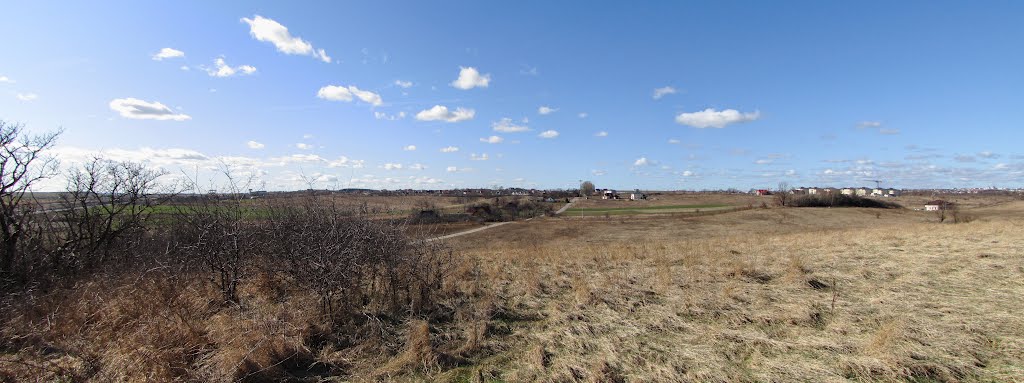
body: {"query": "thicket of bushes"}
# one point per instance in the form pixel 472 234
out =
pixel 841 200
pixel 114 283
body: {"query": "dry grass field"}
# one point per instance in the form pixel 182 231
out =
pixel 760 295
pixel 777 294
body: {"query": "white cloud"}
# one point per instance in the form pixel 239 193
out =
pixel 601 134
pixel 441 113
pixel 687 173
pixel 451 169
pixel 889 131
pixel 392 166
pixel 409 148
pixel 417 167
pixel 345 162
pixel 27 96
pixel 642 161
pixel 546 110
pixel 450 149
pixel 345 94
pixel 869 124
pixel 303 146
pixel 222 69
pixel 482 157
pixel 582 115
pixel 470 78
pixel 662 92
pixel 492 140
pixel 598 172
pixel 987 154
pixel 403 84
pixel 307 136
pixel 136 109
pixel 168 53
pixel 254 145
pixel 389 117
pixel 711 118
pixel 6 79
pixel 764 161
pixel 326 178
pixel 185 68
pixel 268 30
pixel 366 96
pixel 673 141
pixel 548 134
pixel 506 125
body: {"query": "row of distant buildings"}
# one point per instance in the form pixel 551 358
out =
pixel 862 191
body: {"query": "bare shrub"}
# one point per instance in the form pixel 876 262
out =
pixel 23 163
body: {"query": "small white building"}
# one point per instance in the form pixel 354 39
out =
pixel 846 191
pixel 811 191
pixel 877 192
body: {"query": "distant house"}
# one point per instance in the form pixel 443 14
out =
pixel 862 191
pixel 608 194
pixel 811 191
pixel 937 205
pixel 877 191
pixel 763 192
pixel 846 191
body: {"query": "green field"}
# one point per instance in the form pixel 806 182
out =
pixel 644 210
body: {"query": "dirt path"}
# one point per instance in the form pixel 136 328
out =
pixel 471 231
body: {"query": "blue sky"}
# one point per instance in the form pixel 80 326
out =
pixel 662 95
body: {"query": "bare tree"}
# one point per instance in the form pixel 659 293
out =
pixel 105 202
pixel 23 163
pixel 783 194
pixel 587 188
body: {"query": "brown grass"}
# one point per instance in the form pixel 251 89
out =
pixel 760 295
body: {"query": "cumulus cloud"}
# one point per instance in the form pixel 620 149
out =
pixel 470 78
pixel 346 94
pixel 441 113
pixel 409 148
pixel 548 134
pixel 582 115
pixel 345 162
pixel 482 157
pixel 673 141
pixel 6 80
pixel 546 110
pixel 137 109
pixel 642 161
pixel 27 96
pixel 451 169
pixel 254 145
pixel 403 84
pixel 303 146
pixel 598 172
pixel 268 30
pixel 869 124
pixel 764 161
pixel 168 53
pixel 601 134
pixel 222 69
pixel 492 140
pixel 450 149
pixel 417 167
pixel 711 118
pixel 687 173
pixel 987 154
pixel 662 92
pixel 392 166
pixel 506 125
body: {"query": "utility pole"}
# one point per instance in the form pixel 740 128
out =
pixel 581 197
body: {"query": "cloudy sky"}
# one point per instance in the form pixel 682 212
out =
pixel 531 94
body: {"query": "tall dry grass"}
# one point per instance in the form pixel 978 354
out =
pixel 920 301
